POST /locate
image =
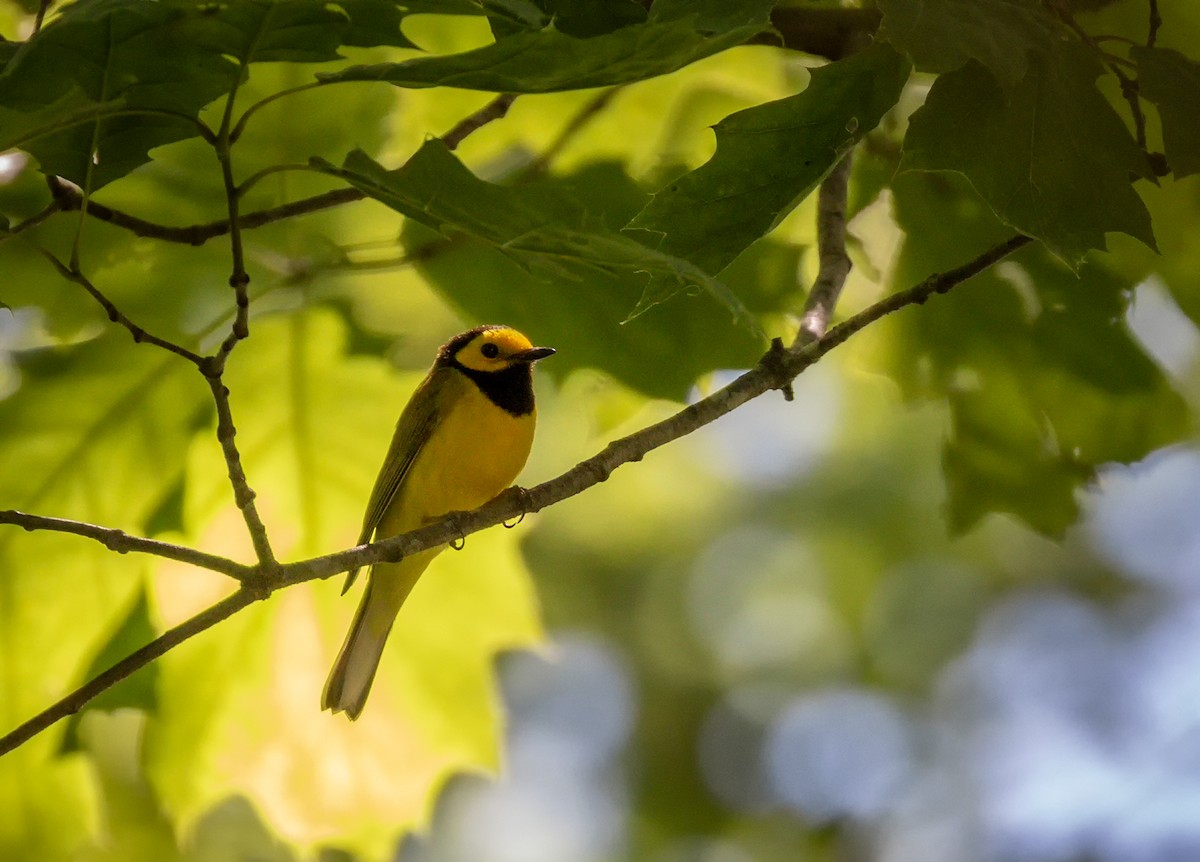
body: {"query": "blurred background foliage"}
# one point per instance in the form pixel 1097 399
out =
pixel 943 606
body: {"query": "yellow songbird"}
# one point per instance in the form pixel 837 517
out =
pixel 461 440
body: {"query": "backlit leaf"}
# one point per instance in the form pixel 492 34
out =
pixel 943 35
pixel 1050 156
pixel 239 703
pixel 769 158
pixel 1172 82
pixel 542 61
pixel 434 188
pixel 130 84
pixel 99 431
pixel 660 353
pixel 139 73
pixel 137 691
pixel 1044 380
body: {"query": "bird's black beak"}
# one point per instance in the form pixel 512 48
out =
pixel 533 354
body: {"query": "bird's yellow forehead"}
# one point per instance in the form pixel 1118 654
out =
pixel 508 340
pixel 486 348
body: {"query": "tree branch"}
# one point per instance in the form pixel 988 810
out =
pixel 1129 86
pixel 576 124
pixel 496 109
pixel 1155 22
pixel 124 543
pixel 243 494
pixel 31 222
pixel 240 126
pixel 43 7
pixel 199 234
pixel 834 265
pixel 239 279
pixel 258 176
pixel 776 370
pixel 140 336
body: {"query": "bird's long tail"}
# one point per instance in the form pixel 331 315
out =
pixel 387 587
pixel 350 680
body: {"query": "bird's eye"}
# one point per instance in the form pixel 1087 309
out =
pixel 490 350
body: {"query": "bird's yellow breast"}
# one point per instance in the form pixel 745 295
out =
pixel 474 453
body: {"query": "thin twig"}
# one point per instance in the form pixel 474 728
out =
pixel 243 494
pixel 942 282
pixel 421 254
pixel 33 221
pixel 124 543
pixel 577 123
pixel 1155 22
pixel 258 176
pixel 140 335
pixel 834 266
pixel 43 8
pixel 1110 57
pixel 214 366
pixel 240 127
pixel 777 369
pixel 198 234
pixel 239 279
pixel 80 697
pixel 496 109
pixel 1129 86
pixel 1129 89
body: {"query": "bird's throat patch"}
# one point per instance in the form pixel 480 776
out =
pixel 510 389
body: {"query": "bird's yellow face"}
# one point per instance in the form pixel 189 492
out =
pixel 497 348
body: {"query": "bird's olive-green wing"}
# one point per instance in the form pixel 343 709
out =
pixel 416 424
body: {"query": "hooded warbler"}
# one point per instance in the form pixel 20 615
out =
pixel 462 439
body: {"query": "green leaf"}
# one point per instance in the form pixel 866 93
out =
pixel 872 171
pixel 313 426
pixel 1044 379
pixel 437 190
pixel 766 278
pixel 138 690
pixel 584 19
pixel 1050 157
pixel 943 35
pixel 1172 82
pixel 549 60
pixel 139 72
pixel 1175 209
pixel 99 430
pixel 131 824
pixel 291 31
pixel 771 157
pixel 515 16
pixel 130 85
pixel 1000 458
pixel 372 23
pixel 694 334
